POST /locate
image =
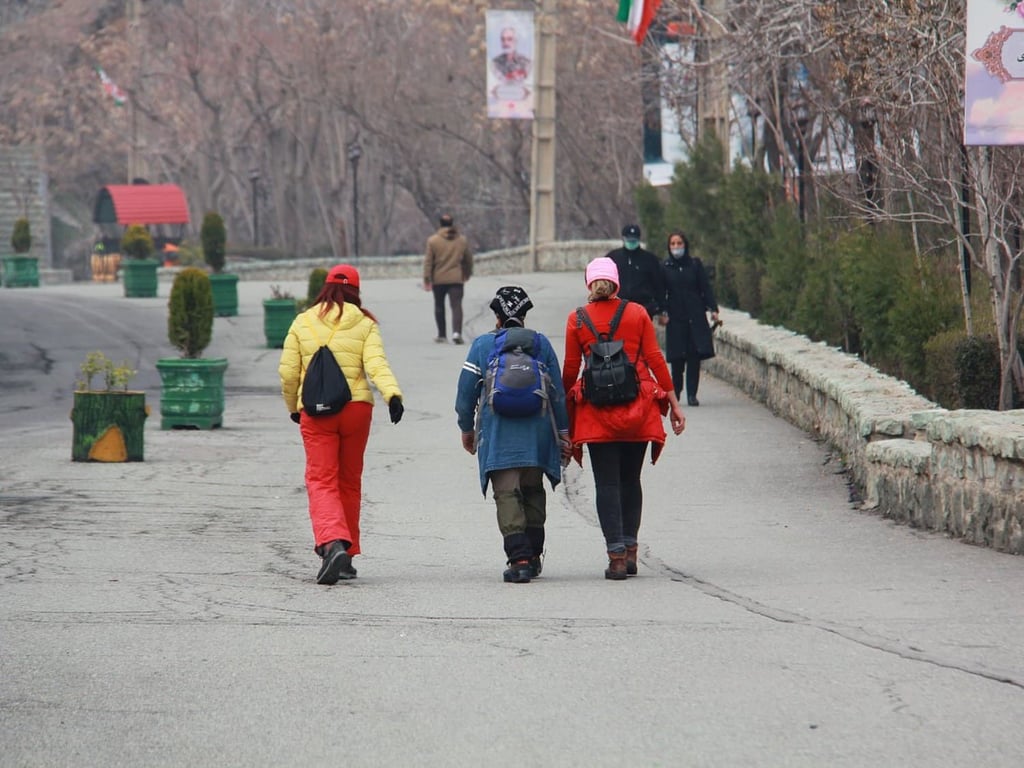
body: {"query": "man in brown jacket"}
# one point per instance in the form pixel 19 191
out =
pixel 448 265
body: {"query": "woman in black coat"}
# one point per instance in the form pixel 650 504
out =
pixel 687 335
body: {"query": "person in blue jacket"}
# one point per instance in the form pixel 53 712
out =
pixel 515 452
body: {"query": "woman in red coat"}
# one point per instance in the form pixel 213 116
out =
pixel 616 436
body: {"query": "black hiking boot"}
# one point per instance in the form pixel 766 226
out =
pixel 517 572
pixel 536 566
pixel 336 564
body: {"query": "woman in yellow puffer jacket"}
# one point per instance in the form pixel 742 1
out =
pixel 335 443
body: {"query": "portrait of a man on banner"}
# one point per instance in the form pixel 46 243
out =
pixel 510 69
pixel 994 88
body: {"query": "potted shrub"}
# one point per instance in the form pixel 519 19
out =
pixel 213 237
pixel 278 313
pixel 192 388
pixel 138 270
pixel 107 418
pixel 21 270
pixel 317 278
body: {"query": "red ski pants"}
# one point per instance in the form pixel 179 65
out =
pixel 334 471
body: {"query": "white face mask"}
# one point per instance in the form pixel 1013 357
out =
pixel 677 252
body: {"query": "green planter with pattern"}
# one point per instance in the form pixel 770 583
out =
pixel 191 392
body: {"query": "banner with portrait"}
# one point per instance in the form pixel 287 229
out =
pixel 510 70
pixel 994 73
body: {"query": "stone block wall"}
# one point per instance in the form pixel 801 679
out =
pixel 958 472
pixel 562 256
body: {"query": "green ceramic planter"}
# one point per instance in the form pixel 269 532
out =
pixel 21 271
pixel 278 315
pixel 225 294
pixel 139 277
pixel 192 392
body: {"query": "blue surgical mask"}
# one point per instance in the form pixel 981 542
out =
pixel 631 245
pixel 677 253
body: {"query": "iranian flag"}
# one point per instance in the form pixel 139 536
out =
pixel 637 15
pixel 111 88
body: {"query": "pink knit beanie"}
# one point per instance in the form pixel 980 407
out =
pixel 602 268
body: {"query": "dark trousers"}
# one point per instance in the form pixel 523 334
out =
pixel 454 293
pixel 691 367
pixel 620 497
pixel 522 510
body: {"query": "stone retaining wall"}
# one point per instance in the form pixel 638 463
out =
pixel 552 257
pixel 960 472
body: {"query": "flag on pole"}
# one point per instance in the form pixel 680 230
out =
pixel 111 88
pixel 637 15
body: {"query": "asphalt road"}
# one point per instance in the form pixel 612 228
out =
pixel 164 613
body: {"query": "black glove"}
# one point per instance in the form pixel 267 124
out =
pixel 296 417
pixel 396 408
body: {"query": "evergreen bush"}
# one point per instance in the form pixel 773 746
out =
pixel 214 239
pixel 190 312
pixel 651 213
pixel 940 368
pixel 317 278
pixel 137 243
pixel 21 238
pixel 977 372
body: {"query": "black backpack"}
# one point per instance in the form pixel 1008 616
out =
pixel 325 389
pixel 609 377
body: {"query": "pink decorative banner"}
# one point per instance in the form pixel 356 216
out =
pixel 994 73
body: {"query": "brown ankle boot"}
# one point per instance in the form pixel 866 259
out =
pixel 616 566
pixel 631 560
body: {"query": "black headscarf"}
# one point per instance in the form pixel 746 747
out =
pixel 683 260
pixel 511 302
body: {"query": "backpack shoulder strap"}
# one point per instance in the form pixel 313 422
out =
pixel 316 333
pixel 617 317
pixel 583 318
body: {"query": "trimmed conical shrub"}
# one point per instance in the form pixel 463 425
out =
pixel 21 239
pixel 190 316
pixel 214 238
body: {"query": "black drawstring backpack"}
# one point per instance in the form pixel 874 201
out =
pixel 325 389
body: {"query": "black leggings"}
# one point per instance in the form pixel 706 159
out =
pixel 691 366
pixel 620 497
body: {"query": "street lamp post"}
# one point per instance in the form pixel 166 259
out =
pixel 801 116
pixel 254 177
pixel 354 153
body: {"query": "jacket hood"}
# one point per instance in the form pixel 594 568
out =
pixel 448 232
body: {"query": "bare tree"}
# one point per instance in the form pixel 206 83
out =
pixel 882 80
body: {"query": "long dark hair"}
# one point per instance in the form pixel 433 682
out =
pixel 333 295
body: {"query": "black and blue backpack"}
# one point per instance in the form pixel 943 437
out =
pixel 516 381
